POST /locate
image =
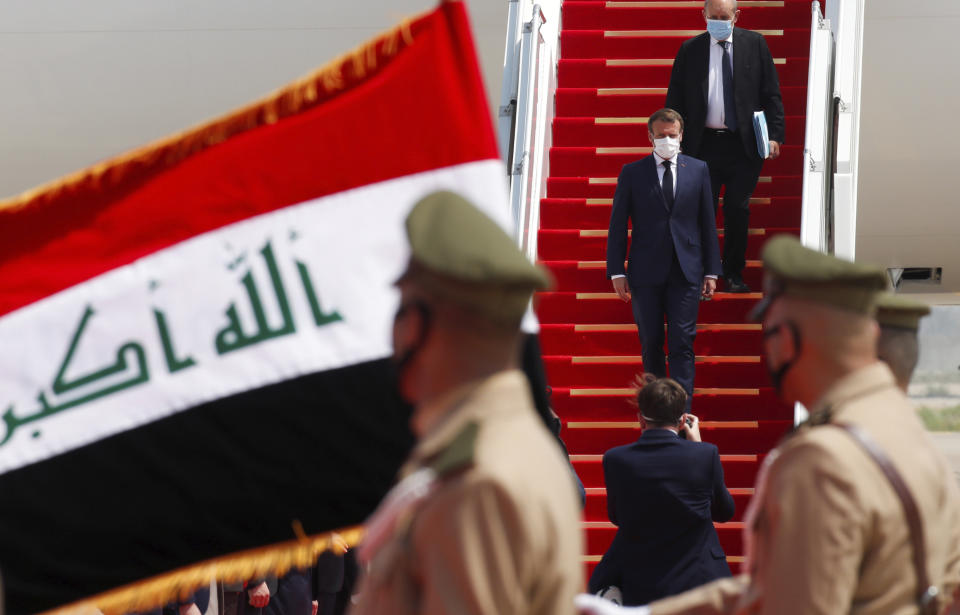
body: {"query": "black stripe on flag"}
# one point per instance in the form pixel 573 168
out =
pixel 225 476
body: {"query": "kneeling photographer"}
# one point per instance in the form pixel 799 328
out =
pixel 664 492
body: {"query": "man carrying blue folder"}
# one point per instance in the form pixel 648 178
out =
pixel 720 78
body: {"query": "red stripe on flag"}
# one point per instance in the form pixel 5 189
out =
pixel 421 109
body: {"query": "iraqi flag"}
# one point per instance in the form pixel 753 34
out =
pixel 194 373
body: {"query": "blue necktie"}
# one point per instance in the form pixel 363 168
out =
pixel 729 106
pixel 667 184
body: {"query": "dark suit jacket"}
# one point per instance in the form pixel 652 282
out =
pixel 689 228
pixel 663 493
pixel 755 83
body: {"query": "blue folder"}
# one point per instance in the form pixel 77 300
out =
pixel 763 137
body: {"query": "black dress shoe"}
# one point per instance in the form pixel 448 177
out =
pixel 735 284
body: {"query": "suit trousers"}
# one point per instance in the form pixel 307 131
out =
pixel 679 300
pixel 732 168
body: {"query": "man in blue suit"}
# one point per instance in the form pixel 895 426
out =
pixel 674 254
pixel 663 494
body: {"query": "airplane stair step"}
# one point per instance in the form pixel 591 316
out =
pixel 615 65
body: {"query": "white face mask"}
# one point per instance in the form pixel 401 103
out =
pixel 667 147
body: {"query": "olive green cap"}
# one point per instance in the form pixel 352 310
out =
pixel 458 253
pixel 795 271
pixel 899 311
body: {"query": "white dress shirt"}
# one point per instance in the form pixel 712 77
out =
pixel 660 171
pixel 715 111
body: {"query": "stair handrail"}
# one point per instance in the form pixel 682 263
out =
pixel 846 18
pixel 506 113
pixel 526 112
pixel 816 217
pixel 523 172
pixel 816 222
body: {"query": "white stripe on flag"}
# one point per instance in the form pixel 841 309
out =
pixel 149 341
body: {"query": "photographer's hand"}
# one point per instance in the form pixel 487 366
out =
pixel 690 425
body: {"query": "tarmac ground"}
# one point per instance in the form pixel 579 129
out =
pixel 948 442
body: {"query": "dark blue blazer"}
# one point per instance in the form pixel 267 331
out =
pixel 689 229
pixel 663 493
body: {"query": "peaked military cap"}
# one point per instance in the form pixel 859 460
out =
pixel 899 311
pixel 792 270
pixel 458 253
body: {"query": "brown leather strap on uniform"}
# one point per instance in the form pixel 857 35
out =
pixel 927 594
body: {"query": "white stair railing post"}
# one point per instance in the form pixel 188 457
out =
pixel 508 92
pixel 521 168
pixel 816 218
pixel 846 18
pixel 816 224
pixel 526 112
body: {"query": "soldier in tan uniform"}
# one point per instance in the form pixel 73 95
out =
pixel 898 346
pixel 825 531
pixel 486 518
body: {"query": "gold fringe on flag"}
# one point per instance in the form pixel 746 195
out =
pixel 128 170
pixel 275 559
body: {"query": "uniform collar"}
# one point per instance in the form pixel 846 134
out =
pixel 468 404
pixel 864 381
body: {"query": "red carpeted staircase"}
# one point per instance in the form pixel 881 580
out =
pixel 615 65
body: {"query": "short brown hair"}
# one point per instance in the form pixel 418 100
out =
pixel 664 115
pixel 661 401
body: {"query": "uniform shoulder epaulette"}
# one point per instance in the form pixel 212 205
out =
pixel 823 417
pixel 458 454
